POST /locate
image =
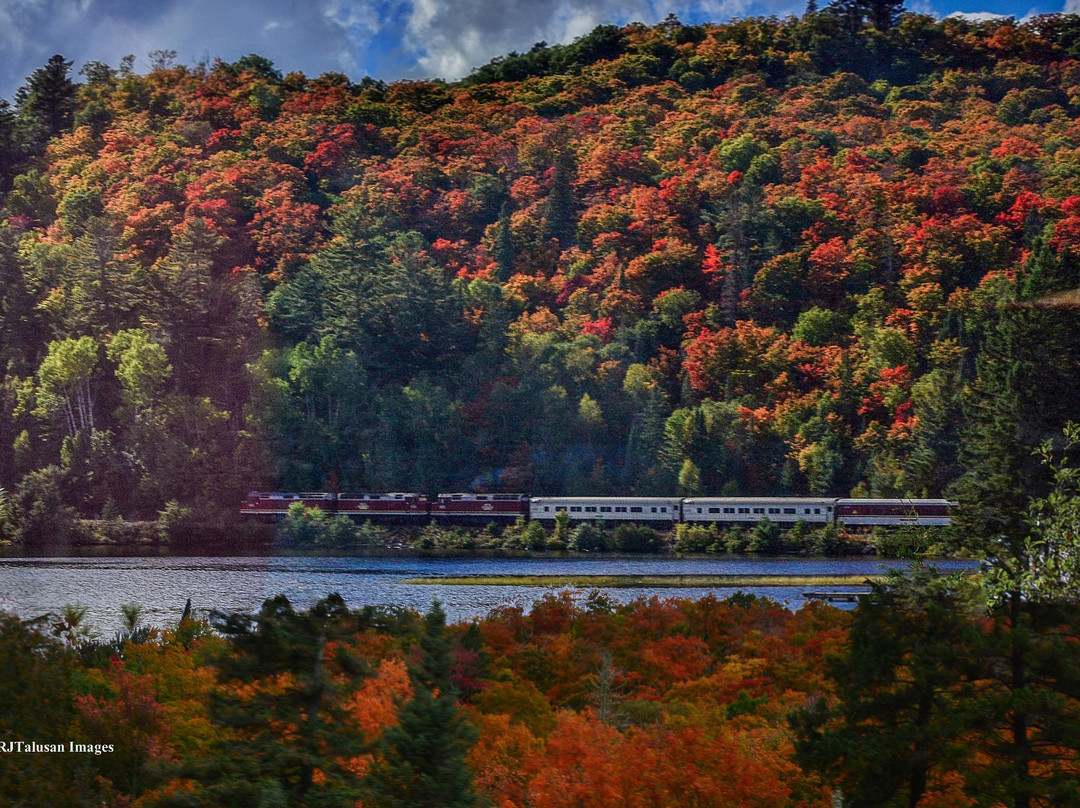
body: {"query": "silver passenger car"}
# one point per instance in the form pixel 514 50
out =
pixel 662 510
pixel 748 510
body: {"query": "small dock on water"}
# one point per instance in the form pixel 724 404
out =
pixel 834 597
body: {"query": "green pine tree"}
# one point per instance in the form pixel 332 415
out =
pixel 263 763
pixel 46 103
pixel 504 247
pixel 559 212
pixel 1023 394
pixel 898 723
pixel 423 757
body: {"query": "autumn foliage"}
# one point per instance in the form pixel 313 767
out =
pixel 578 702
pixel 792 233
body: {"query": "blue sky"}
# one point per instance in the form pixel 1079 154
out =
pixel 385 39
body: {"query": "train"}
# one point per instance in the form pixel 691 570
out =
pixel 664 512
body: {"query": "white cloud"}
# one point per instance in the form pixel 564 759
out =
pixel 450 37
pixel 976 16
pixel 390 38
pixel 314 37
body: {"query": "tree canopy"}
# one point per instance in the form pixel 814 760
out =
pixel 763 257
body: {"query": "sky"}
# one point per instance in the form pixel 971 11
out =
pixel 381 38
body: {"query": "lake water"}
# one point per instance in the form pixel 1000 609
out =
pixel 161 586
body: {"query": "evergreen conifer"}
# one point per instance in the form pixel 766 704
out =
pixel 423 757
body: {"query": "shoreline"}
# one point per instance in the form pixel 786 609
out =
pixel 631 581
pixel 9 552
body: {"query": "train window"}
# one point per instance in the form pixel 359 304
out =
pixel 663 510
pixel 590 509
pixel 714 510
pixel 759 510
pixel 558 508
pixel 620 509
pixel 744 510
pixel 789 510
pixel 653 509
pixel 729 510
pixel 817 510
pixel 699 510
pixel 635 510
pixel 774 510
pixel 605 509
pixel 575 509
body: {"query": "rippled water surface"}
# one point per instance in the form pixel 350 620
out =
pixel 161 586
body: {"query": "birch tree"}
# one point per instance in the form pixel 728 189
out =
pixel 65 382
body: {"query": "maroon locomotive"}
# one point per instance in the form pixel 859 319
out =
pixel 272 506
pixel 395 505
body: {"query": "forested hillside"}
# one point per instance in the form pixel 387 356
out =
pixel 813 255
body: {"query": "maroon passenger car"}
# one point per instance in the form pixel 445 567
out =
pixel 480 507
pixel 893 511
